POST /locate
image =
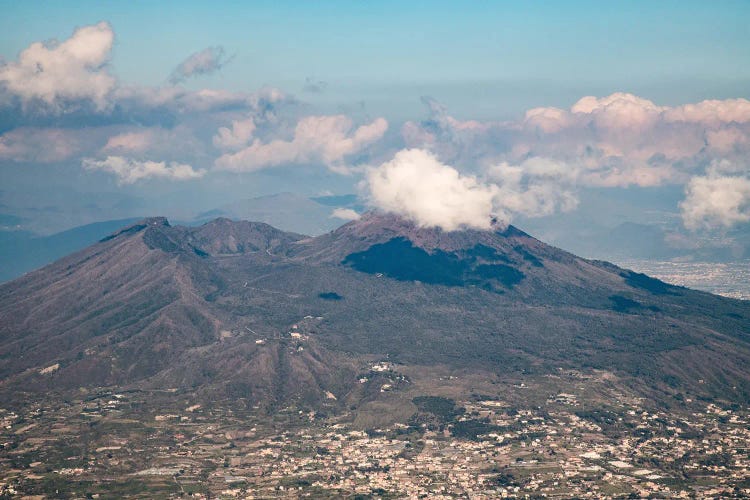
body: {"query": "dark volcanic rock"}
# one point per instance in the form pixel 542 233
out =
pixel 399 259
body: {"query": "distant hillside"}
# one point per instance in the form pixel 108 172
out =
pixel 287 211
pixel 22 251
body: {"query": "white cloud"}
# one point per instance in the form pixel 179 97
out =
pixel 345 214
pixel 206 61
pixel 547 120
pixel 60 102
pixel 415 184
pixel 618 111
pixel 56 73
pixel 235 137
pixel 324 140
pixel 617 140
pixel 727 140
pixel 418 186
pixel 129 171
pixel 534 188
pixel 716 201
pixel 711 112
pixel 630 140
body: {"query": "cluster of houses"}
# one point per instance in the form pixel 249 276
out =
pixel 559 449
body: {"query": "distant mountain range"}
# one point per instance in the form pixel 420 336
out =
pixel 288 211
pixel 244 310
pixel 22 251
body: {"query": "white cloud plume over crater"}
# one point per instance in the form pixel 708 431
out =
pixel 417 185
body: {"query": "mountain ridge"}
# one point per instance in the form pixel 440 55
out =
pixel 241 309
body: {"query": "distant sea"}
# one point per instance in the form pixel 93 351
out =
pixel 729 280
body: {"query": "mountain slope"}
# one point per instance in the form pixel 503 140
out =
pixel 119 295
pixel 21 251
pixel 242 310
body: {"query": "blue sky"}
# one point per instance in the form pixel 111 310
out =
pixel 521 109
pixel 509 52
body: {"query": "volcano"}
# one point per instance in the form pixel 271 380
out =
pixel 241 310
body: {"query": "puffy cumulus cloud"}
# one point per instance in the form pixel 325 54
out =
pixel 619 111
pixel 68 84
pixel 324 140
pixel 59 102
pixel 615 141
pixel 129 171
pixel 711 112
pixel 416 185
pixel 344 214
pixel 59 73
pixel 623 139
pixel 534 188
pixel 204 62
pixel 716 201
pixel 538 163
pixel 546 120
